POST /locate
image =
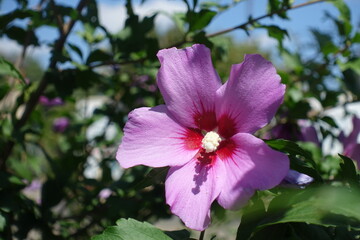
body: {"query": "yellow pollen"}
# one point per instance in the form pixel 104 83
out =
pixel 211 141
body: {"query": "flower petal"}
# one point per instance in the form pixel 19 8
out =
pixel 297 178
pixel 153 138
pixel 308 132
pixel 191 189
pixel 188 82
pixel 352 138
pixel 252 166
pixel 251 96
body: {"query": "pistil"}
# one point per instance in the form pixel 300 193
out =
pixel 211 141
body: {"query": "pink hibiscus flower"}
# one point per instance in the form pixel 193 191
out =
pixel 204 133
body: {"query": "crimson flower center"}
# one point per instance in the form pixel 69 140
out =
pixel 211 141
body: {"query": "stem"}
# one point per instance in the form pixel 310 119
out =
pixel 202 234
pixel 34 97
pixel 242 26
pixel 58 18
pixel 20 61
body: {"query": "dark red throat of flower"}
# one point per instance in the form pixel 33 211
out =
pixel 193 140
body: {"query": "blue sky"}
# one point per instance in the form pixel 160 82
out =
pixel 112 15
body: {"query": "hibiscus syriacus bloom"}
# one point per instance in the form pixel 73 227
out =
pixel 61 124
pixel 302 130
pixel 46 102
pixel 204 133
pixel 297 178
pixel 351 147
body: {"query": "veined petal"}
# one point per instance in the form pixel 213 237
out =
pixel 251 96
pixel 191 189
pixel 253 165
pixel 153 138
pixel 188 82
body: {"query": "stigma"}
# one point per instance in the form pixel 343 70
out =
pixel 211 141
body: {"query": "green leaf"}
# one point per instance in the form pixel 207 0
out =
pixel 213 4
pixel 275 6
pixel 308 166
pixel 286 146
pixel 304 167
pixel 2 222
pixel 325 206
pixel 76 49
pixel 324 42
pixel 300 109
pixel 130 229
pixel 98 56
pixel 17 14
pixel 330 100
pixel 275 32
pixel 147 24
pixel 293 61
pixel 156 175
pixel 250 218
pixel 329 121
pixel 353 64
pixel 199 20
pixel 352 81
pixel 91 15
pixel 7 68
pixel 345 17
pixel 201 38
pixel 19 34
pixel 356 38
pixel 178 235
pixel 8 181
pixel 348 169
pixel 4 89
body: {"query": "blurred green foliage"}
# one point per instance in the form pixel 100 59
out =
pixel 51 182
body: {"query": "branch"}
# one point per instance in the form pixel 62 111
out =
pixel 20 61
pixel 34 97
pixel 241 26
pixel 202 235
pixel 112 62
pixel 58 18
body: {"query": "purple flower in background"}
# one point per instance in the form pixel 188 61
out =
pixel 104 194
pixel 308 132
pixel 297 178
pixel 56 102
pixel 351 147
pixel 46 102
pixel 143 81
pixel 302 131
pixel 61 124
pixel 204 133
pixel 33 191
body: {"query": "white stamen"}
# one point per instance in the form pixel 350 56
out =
pixel 211 141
